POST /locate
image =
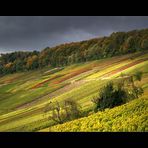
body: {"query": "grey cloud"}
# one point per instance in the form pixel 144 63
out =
pixel 37 32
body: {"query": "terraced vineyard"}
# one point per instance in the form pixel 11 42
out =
pixel 23 96
pixel 131 117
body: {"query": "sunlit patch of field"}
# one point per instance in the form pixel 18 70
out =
pixel 22 103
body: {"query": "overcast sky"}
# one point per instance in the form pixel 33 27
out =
pixel 38 32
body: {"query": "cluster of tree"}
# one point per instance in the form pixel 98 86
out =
pixel 116 44
pixel 18 61
pixel 62 112
pixel 114 94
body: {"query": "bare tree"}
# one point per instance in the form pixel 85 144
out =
pixel 56 112
pixel 61 112
pixel 72 109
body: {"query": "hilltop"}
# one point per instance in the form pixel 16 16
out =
pixel 118 43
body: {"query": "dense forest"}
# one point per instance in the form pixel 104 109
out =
pixel 116 44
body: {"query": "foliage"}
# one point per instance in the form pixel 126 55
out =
pixel 57 114
pixel 60 113
pixel 18 61
pixel 116 44
pixel 114 94
pixel 109 97
pixel 138 75
pixel 72 109
pixel 130 117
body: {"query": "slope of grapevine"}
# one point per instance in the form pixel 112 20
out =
pixel 131 117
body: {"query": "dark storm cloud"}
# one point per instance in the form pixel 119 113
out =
pixel 37 32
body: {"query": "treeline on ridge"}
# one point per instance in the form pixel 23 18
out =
pixel 116 44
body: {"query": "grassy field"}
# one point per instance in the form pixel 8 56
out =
pixel 23 96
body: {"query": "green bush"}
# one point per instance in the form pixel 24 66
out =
pixel 109 97
pixel 114 94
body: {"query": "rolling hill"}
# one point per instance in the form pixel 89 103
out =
pixel 24 95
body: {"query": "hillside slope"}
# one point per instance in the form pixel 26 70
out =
pixel 130 117
pixel 23 96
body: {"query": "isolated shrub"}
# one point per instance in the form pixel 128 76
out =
pixel 114 94
pixel 106 96
pixel 109 97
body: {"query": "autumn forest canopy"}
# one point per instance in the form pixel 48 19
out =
pixel 66 54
